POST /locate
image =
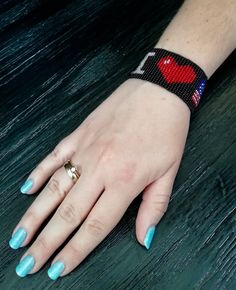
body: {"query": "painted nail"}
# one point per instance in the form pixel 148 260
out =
pixel 18 238
pixel 55 270
pixel 25 266
pixel 27 186
pixel 149 236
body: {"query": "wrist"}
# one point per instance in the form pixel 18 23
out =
pixel 170 102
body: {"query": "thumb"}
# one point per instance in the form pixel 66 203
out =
pixel 154 204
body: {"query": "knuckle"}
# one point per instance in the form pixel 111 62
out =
pixel 40 169
pixel 95 227
pixel 107 151
pixel 67 213
pixel 128 171
pixel 42 244
pixel 54 187
pixel 76 251
pixel 85 125
pixel 160 206
pixel 122 171
pixel 63 142
pixel 124 175
pixel 63 150
pixel 30 215
pixel 57 153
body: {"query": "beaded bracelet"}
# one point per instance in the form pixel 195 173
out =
pixel 173 72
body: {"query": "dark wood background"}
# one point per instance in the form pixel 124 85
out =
pixel 58 61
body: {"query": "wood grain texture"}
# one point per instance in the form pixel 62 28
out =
pixel 58 61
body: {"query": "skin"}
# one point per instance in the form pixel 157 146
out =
pixel 133 142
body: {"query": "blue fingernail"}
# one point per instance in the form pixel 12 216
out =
pixel 25 266
pixel 55 270
pixel 27 186
pixel 18 238
pixel 149 236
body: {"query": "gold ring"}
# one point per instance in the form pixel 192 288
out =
pixel 72 171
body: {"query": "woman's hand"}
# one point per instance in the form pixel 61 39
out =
pixel 132 142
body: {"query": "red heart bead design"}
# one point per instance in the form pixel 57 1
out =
pixel 175 73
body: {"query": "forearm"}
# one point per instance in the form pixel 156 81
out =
pixel 203 31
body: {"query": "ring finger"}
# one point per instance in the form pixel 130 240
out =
pixel 68 216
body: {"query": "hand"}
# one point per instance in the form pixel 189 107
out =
pixel 132 142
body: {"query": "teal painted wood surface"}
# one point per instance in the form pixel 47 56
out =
pixel 58 61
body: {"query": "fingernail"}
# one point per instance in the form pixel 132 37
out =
pixel 27 186
pixel 25 266
pixel 149 236
pixel 55 270
pixel 18 238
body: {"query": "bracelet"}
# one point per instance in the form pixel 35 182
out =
pixel 173 72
